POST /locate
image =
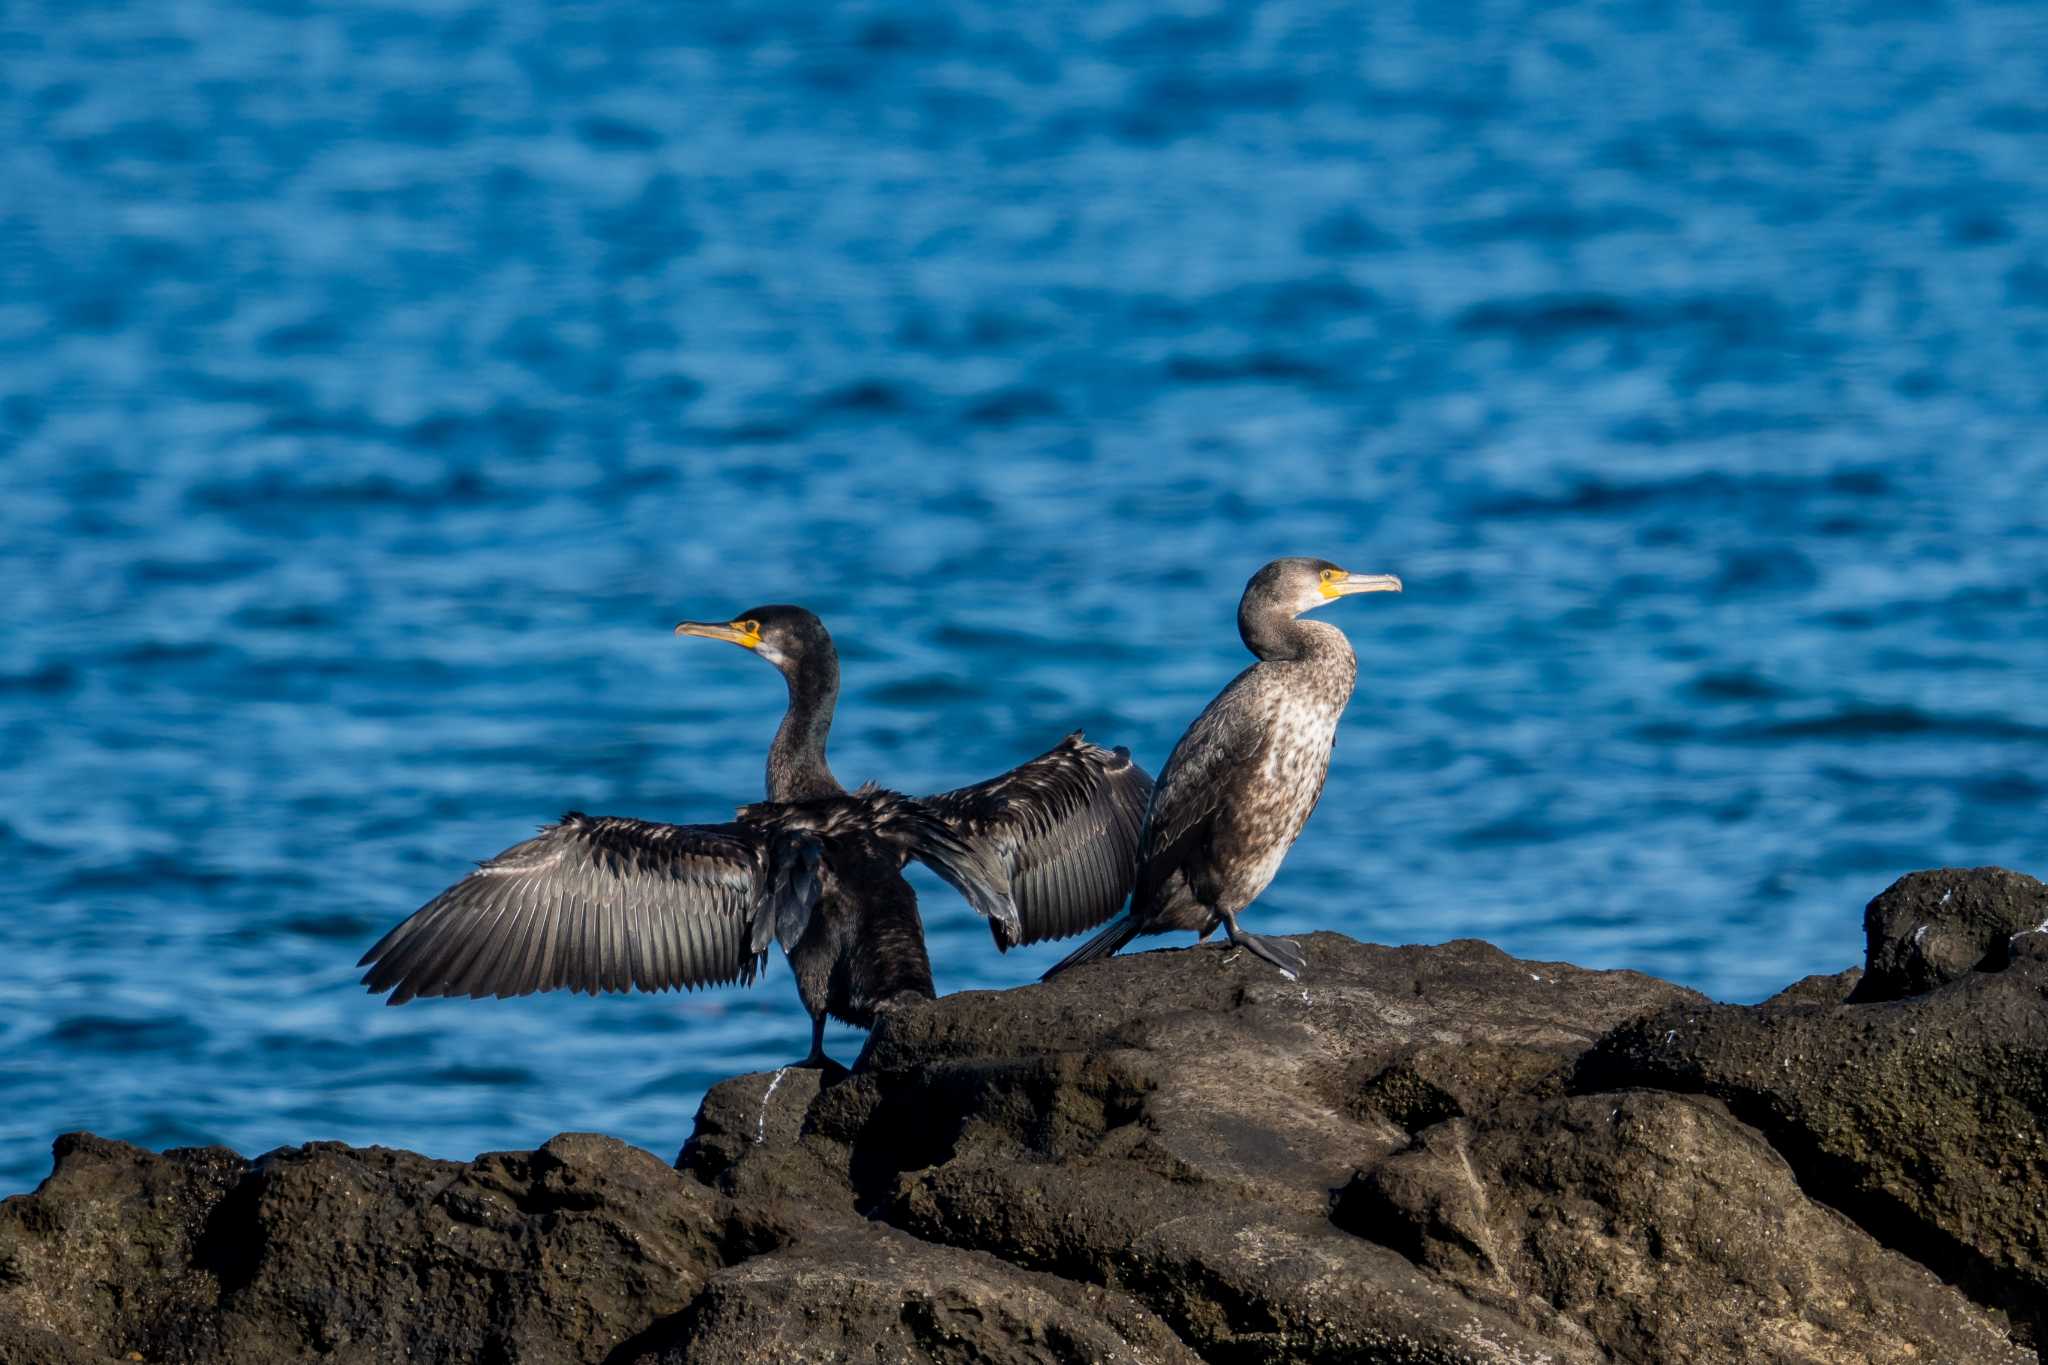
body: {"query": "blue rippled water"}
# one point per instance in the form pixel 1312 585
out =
pixel 379 384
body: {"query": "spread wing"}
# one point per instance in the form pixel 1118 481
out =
pixel 908 826
pixel 605 904
pixel 1064 826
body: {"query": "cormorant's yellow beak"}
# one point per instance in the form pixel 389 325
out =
pixel 1340 584
pixel 743 633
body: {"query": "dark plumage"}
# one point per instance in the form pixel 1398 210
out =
pixel 609 904
pixel 1241 783
pixel 1065 828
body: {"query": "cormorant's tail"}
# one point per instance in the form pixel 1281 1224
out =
pixel 1113 936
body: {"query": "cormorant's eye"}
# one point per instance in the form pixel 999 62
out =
pixel 1329 575
pixel 751 627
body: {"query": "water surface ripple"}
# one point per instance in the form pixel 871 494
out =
pixel 379 383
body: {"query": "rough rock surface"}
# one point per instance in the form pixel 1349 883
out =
pixel 1924 1119
pixel 1930 928
pixel 1416 1154
pixel 360 1254
pixel 864 1291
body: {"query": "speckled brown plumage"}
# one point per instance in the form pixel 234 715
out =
pixel 1242 782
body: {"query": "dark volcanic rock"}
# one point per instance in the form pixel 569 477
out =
pixel 22 1344
pixel 1658 1228
pixel 1930 928
pixel 752 1140
pixel 1925 1119
pixel 114 1249
pixel 1831 989
pixel 1380 1162
pixel 1415 1154
pixel 554 1254
pixel 1175 1124
pixel 867 1292
pixel 325 1250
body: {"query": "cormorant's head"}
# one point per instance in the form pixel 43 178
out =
pixel 791 638
pixel 1302 584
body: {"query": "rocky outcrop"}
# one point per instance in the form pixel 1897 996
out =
pixel 1925 1118
pixel 1931 928
pixel 334 1252
pixel 1414 1154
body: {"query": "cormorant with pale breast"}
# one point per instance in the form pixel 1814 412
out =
pixel 1237 789
pixel 606 903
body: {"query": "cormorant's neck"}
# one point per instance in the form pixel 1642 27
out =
pixel 797 770
pixel 1273 633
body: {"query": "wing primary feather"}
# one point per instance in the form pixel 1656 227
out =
pixel 561 938
pixel 601 904
pixel 435 919
pixel 647 926
pixel 713 956
pixel 693 947
pixel 519 964
pixel 672 974
pixel 610 950
pixel 492 931
pixel 496 967
pixel 460 945
pixel 547 971
pixel 632 940
pixel 633 899
pixel 729 952
pixel 575 968
pixel 603 930
pixel 604 923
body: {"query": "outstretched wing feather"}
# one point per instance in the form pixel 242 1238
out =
pixel 1065 826
pixel 591 904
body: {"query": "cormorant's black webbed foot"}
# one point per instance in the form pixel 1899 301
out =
pixel 1281 952
pixel 830 1073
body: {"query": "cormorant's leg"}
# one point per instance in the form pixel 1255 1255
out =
pixel 817 1057
pixel 1279 951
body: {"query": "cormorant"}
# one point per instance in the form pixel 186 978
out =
pixel 1237 789
pixel 607 904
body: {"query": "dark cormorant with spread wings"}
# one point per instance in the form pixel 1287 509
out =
pixel 593 904
pixel 1237 789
